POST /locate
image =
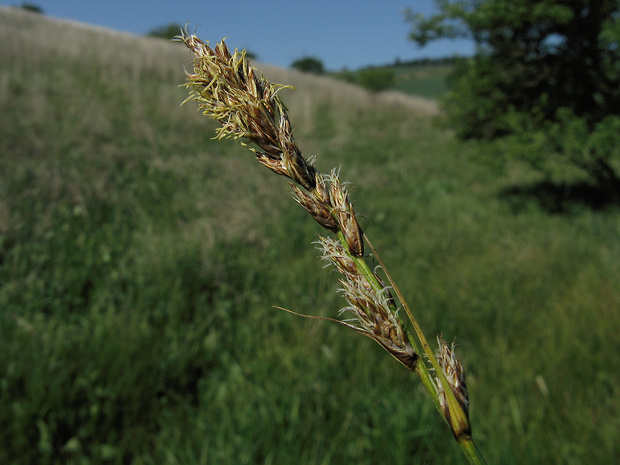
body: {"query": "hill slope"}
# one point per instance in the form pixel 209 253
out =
pixel 140 259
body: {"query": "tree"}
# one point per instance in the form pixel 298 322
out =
pixel 31 7
pixel 168 31
pixel 309 65
pixel 545 79
pixel 376 79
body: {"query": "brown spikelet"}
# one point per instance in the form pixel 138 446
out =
pixel 300 170
pixel 319 211
pixel 454 372
pixel 345 215
pixel 274 164
pixel 373 316
pixel 321 192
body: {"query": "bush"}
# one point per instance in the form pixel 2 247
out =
pixel 168 31
pixel 376 80
pixel 309 65
pixel 31 7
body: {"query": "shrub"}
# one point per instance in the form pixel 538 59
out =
pixel 309 65
pixel 376 80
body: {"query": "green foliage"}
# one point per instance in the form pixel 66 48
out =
pixel 346 75
pixel 539 65
pixel 167 31
pixel 376 79
pixel 424 77
pixel 32 7
pixel 309 65
pixel 139 262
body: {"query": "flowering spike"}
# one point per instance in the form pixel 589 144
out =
pixel 454 372
pixel 371 309
pixel 319 211
pixel 248 107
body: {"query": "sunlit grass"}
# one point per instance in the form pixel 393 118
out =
pixel 137 322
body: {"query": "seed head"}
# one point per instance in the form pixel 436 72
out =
pixel 343 210
pixel 371 311
pixel 454 372
pixel 319 211
pixel 300 170
pixel 321 192
pixel 228 90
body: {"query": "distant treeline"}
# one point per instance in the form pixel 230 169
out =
pixel 449 60
pixel 386 76
pixel 29 7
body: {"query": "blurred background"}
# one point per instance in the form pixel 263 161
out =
pixel 342 35
pixel 140 259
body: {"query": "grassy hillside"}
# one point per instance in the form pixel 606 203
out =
pixel 140 259
pixel 426 80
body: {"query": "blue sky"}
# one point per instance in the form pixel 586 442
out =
pixel 342 33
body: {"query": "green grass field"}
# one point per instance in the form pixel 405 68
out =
pixel 428 81
pixel 140 260
pixel 424 80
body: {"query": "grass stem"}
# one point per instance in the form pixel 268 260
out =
pixel 229 90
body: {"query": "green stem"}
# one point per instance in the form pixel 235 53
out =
pixel 466 443
pixel 421 368
pixel 418 330
pixel 471 451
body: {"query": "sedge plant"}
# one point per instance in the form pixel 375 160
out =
pixel 249 109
